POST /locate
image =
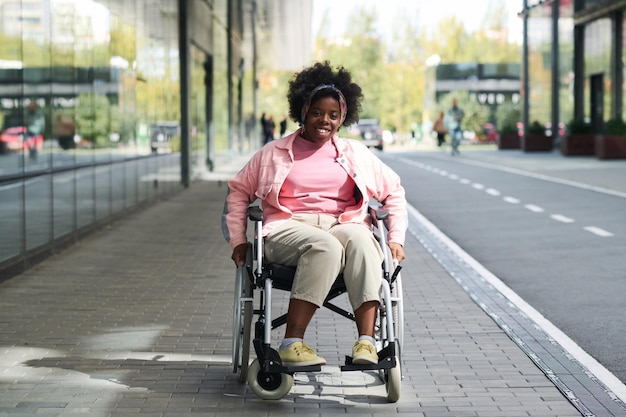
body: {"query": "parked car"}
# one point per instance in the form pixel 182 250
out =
pixel 161 134
pixel 13 139
pixel 371 133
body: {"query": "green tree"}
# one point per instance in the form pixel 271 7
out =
pixel 393 74
pixel 93 118
pixel 361 52
pixel 123 40
pixel 507 117
pixel 402 100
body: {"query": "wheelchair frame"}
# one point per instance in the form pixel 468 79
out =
pixel 267 376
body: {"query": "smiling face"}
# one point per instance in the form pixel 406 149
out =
pixel 322 120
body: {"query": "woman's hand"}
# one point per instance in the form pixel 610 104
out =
pixel 397 251
pixel 239 254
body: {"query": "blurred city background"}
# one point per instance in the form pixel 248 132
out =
pixel 108 105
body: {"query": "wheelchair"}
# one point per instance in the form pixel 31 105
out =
pixel 267 377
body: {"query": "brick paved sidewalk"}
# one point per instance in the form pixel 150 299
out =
pixel 136 320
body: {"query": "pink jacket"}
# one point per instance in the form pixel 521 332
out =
pixel 264 174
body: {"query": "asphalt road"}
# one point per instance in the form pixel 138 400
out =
pixel 560 247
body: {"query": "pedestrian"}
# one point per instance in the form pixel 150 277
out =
pixel 440 129
pixel 262 124
pixel 454 118
pixel 35 123
pixel 283 126
pixel 65 129
pixel 315 188
pixel 268 129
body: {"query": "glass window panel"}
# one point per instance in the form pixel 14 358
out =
pixel 624 65
pixel 100 73
pixel 131 181
pixel 11 99
pixel 36 128
pixel 118 188
pixel 598 38
pixel 598 46
pixel 64 204
pixel 64 61
pixel 147 179
pixel 103 191
pixel 198 107
pixel 540 64
pixel 38 199
pixel 11 221
pixel 220 80
pixel 11 144
pixel 566 61
pixel 85 196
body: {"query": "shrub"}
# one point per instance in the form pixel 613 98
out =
pixel 536 128
pixel 577 126
pixel 507 116
pixel 615 127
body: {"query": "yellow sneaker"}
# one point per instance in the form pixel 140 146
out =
pixel 299 354
pixel 364 352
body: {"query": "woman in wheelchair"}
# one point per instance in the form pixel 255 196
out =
pixel 315 188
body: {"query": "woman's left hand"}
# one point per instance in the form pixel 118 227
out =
pixel 397 251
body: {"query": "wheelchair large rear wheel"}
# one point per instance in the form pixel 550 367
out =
pixel 398 311
pixel 268 385
pixel 242 324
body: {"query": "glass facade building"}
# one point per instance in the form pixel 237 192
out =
pixel 573 61
pixel 106 105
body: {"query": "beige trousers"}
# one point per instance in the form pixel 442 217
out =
pixel 320 248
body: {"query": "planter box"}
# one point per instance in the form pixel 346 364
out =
pixel 578 144
pixel 610 146
pixel 535 142
pixel 508 141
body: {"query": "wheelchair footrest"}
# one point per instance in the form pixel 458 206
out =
pixel 270 361
pixel 309 368
pixel 386 360
pixel 384 363
pixel 273 366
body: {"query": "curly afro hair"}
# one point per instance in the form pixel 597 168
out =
pixel 305 81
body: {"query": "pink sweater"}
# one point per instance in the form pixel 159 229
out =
pixel 264 176
pixel 316 182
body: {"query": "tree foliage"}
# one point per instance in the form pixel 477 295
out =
pixel 361 52
pixel 392 74
pixel 93 117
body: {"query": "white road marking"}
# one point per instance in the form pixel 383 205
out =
pixel 512 200
pixel 534 208
pixel 598 231
pixel 562 218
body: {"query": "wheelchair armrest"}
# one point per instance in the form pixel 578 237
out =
pixel 378 213
pixel 255 213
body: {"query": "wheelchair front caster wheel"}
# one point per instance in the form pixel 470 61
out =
pixel 393 380
pixel 266 385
